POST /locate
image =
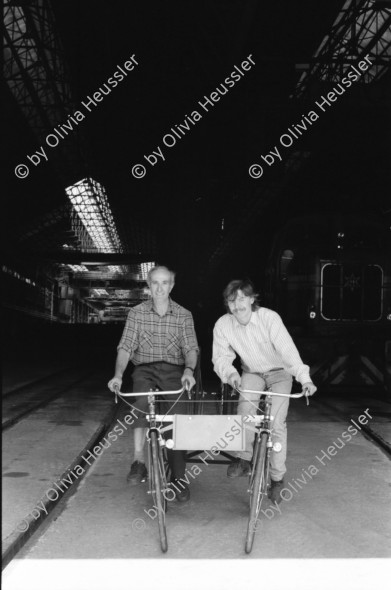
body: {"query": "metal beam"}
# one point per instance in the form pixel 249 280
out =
pixel 77 257
pixel 362 28
pixel 35 72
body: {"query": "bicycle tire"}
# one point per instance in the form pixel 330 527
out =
pixel 158 488
pixel 258 488
pixel 166 469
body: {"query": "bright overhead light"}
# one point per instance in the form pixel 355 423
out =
pixel 90 202
pixel 100 292
pixel 77 267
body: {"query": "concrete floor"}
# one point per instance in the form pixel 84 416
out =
pixel 18 374
pixel 380 410
pixel 103 536
pixel 343 511
pixel 38 449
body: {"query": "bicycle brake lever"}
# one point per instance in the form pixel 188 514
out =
pixel 188 389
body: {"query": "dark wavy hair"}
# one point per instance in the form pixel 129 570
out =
pixel 246 286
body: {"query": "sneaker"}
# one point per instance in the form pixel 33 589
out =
pixel 238 468
pixel 138 473
pixel 275 491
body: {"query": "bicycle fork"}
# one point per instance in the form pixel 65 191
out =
pixel 269 447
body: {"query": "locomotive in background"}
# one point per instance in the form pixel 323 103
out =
pixel 329 277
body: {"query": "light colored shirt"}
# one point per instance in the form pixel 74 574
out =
pixel 262 344
pixel 149 337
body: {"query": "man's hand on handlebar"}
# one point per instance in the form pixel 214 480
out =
pixel 308 388
pixel 188 381
pixel 234 380
pixel 114 384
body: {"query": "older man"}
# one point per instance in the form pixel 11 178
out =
pixel 160 340
pixel 269 359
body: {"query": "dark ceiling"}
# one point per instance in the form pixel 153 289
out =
pixel 184 51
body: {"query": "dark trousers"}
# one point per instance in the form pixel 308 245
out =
pixel 163 376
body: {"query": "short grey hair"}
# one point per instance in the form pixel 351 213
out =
pixel 160 267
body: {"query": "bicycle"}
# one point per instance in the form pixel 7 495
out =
pixel 158 487
pixel 189 433
pixel 259 481
pixel 194 432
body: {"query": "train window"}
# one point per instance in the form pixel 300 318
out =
pixel 372 292
pixel 351 292
pixel 330 291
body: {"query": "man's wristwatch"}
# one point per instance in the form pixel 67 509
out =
pixel 191 369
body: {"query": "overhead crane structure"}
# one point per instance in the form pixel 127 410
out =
pixel 36 74
pixel 362 28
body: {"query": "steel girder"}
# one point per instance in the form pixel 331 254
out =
pixel 35 72
pixel 59 225
pixel 363 27
pixel 34 66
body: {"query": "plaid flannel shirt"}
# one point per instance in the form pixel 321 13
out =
pixel 149 337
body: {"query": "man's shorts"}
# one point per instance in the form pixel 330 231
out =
pixel 165 377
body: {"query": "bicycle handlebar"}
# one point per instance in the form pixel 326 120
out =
pixel 292 395
pixel 144 393
pixel 271 393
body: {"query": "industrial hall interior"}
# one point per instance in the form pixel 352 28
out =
pixel 196 294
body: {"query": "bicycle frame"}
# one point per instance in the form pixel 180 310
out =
pixel 158 487
pixel 259 476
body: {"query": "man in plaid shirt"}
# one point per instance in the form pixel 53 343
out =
pixel 160 340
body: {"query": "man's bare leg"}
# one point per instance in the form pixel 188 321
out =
pixel 139 443
pixel 138 471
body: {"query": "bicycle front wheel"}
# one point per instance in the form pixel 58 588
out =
pixel 158 487
pixel 258 488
